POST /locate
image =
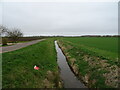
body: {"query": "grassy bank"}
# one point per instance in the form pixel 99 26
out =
pixel 18 67
pixel 93 59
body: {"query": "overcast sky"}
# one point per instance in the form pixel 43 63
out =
pixel 63 18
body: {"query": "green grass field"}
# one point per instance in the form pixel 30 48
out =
pixel 106 47
pixel 95 57
pixel 104 43
pixel 18 66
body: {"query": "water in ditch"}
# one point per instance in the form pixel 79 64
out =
pixel 68 77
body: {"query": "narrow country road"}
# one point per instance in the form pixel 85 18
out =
pixel 18 46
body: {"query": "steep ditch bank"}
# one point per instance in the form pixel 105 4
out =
pixel 93 71
pixel 68 77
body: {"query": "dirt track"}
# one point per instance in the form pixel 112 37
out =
pixel 18 46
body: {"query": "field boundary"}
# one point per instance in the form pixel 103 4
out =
pixel 105 72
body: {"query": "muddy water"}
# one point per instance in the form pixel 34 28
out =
pixel 68 77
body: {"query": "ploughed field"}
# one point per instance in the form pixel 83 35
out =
pixel 18 67
pixel 93 59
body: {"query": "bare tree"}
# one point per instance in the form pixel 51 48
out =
pixel 14 34
pixel 3 30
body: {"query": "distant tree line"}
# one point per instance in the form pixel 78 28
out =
pixel 100 36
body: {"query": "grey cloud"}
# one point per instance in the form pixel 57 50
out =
pixel 62 18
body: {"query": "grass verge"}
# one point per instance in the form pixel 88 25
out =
pixel 18 67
